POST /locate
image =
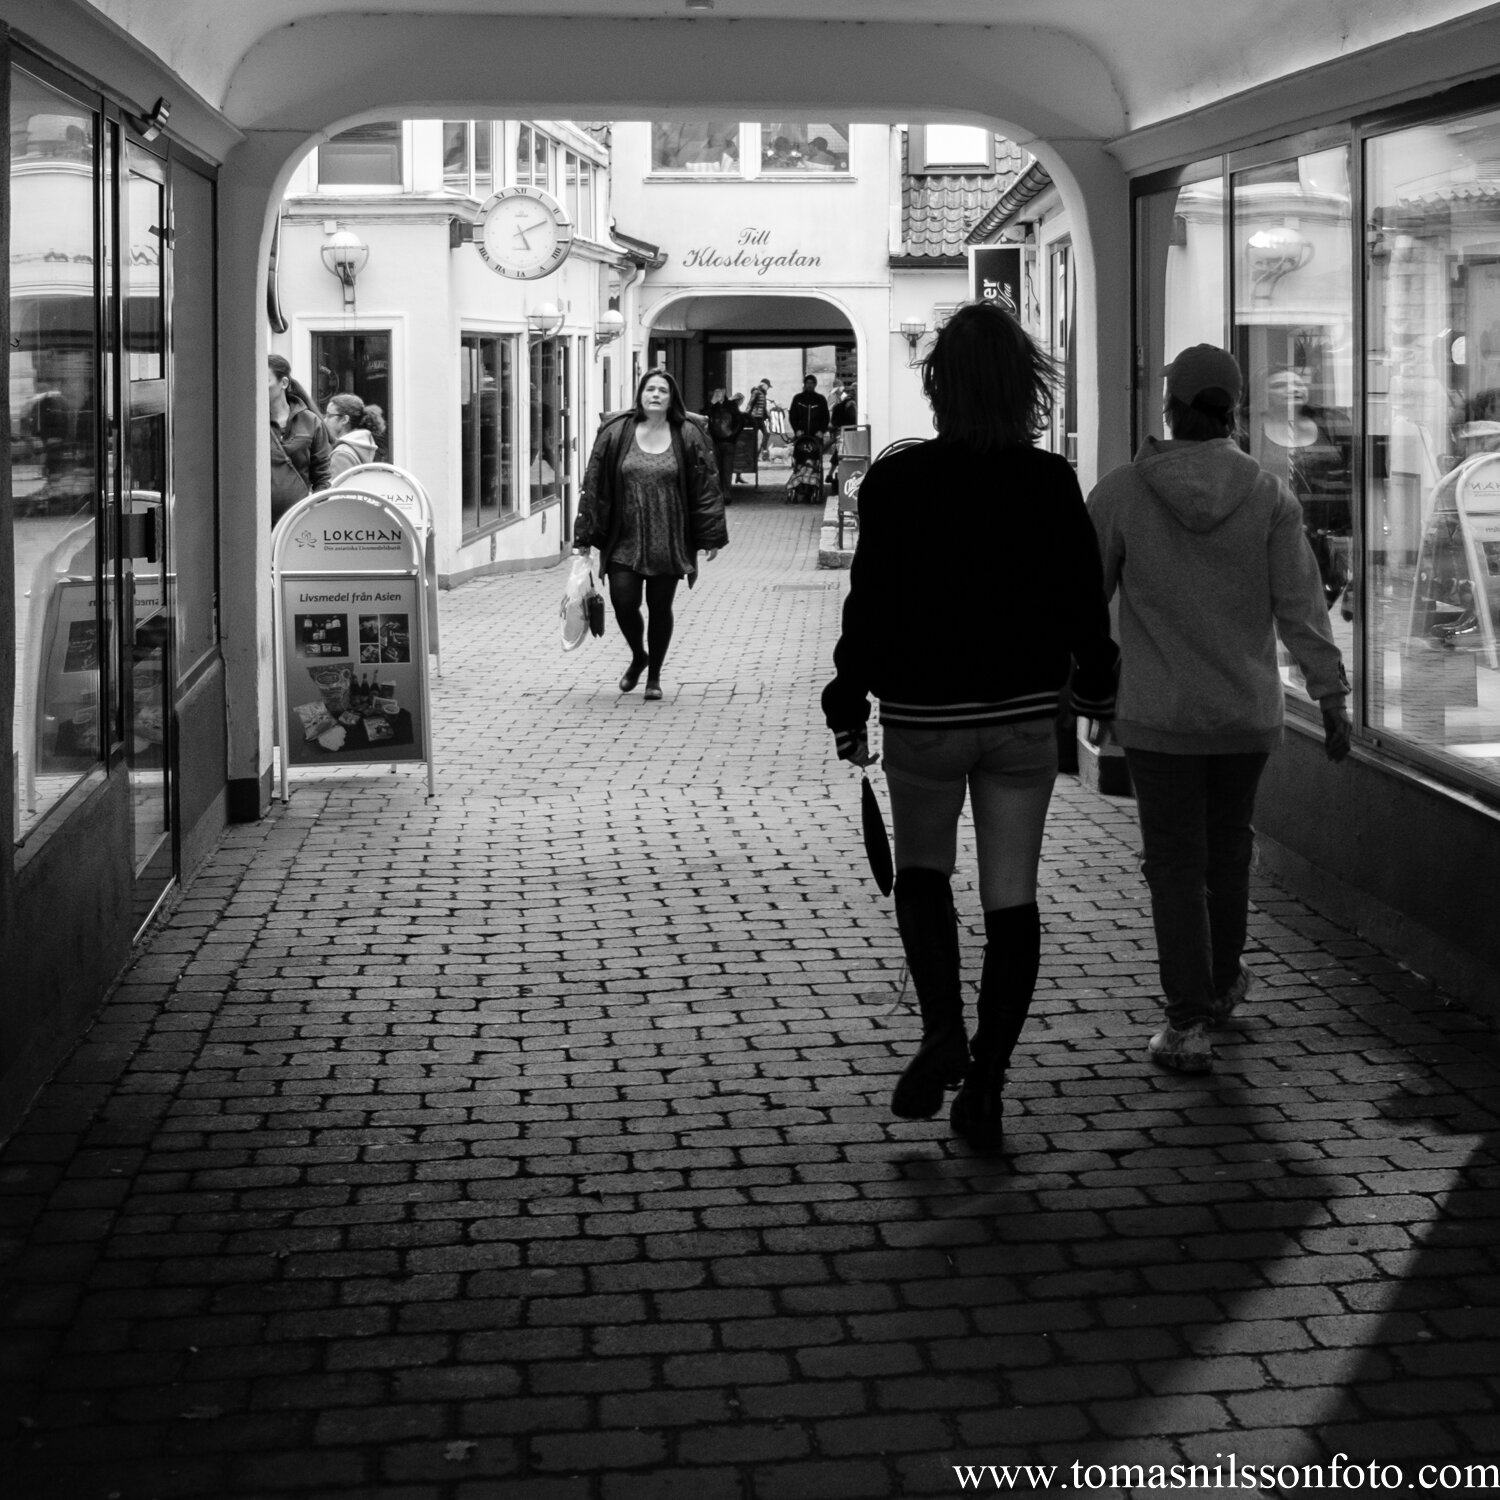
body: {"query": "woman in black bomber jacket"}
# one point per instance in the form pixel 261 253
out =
pixel 976 588
pixel 651 503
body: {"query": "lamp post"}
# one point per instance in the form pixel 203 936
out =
pixel 346 255
pixel 545 320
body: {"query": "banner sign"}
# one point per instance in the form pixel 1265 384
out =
pixel 351 626
pixel 995 275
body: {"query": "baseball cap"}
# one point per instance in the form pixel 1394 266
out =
pixel 1204 367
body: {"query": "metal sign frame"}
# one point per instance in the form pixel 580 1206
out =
pixel 388 510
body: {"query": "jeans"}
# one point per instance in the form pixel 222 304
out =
pixel 1195 813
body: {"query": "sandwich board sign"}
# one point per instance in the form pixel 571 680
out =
pixel 350 614
pixel 405 491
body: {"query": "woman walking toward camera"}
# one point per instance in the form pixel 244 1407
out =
pixel 651 503
pixel 976 588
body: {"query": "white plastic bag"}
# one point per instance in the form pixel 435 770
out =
pixel 574 609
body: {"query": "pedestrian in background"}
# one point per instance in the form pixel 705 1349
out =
pixel 969 677
pixel 299 441
pixel 356 430
pixel 725 420
pixel 1208 554
pixel 651 503
pixel 760 413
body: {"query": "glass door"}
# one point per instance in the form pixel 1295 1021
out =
pixel 146 602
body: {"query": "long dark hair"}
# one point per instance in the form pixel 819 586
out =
pixel 676 406
pixel 989 384
pixel 281 368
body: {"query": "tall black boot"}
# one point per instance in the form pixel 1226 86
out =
pixel 929 936
pixel 1012 956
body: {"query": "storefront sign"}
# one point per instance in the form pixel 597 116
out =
pixel 995 275
pixel 351 624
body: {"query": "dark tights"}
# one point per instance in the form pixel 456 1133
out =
pixel 648 643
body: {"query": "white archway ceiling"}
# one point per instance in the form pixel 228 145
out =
pixel 809 316
pixel 1098 68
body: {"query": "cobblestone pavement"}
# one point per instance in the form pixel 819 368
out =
pixel 533 1142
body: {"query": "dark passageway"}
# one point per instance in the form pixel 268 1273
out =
pixel 534 1142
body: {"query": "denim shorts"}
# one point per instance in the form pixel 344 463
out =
pixel 1023 754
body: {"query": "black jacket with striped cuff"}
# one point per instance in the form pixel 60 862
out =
pixel 976 594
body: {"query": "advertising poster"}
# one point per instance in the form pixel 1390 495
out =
pixel 996 275
pixel 351 654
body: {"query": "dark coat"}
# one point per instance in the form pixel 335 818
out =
pixel 601 515
pixel 725 421
pixel 976 580
pixel 300 454
pixel 808 412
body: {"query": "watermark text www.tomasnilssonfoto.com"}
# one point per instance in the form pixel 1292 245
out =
pixel 1227 1473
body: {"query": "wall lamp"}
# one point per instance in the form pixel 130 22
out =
pixel 610 326
pixel 346 255
pixel 152 124
pixel 912 330
pixel 547 319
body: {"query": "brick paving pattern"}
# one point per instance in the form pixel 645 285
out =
pixel 532 1143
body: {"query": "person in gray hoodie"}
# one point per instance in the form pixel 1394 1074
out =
pixel 1208 555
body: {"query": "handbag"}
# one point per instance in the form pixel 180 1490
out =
pixel 877 840
pixel 593 603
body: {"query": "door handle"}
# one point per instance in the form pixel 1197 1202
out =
pixel 139 536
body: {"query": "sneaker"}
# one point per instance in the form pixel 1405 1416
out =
pixel 1187 1051
pixel 1225 1005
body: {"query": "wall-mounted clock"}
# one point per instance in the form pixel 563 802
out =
pixel 523 232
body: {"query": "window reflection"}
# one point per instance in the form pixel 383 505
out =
pixel 796 146
pixel 487 414
pixel 703 146
pixel 1294 338
pixel 1433 464
pixel 54 393
pixel 1180 293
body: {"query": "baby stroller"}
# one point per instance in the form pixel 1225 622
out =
pixel 805 486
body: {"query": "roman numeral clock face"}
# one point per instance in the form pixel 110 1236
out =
pixel 523 233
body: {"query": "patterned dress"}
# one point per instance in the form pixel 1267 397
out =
pixel 653 533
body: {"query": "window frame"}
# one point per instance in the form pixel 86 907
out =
pixel 1356 132
pixel 403 165
pixel 748 134
pixel 508 510
pixel 919 160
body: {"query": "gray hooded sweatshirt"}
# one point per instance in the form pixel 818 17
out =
pixel 1208 554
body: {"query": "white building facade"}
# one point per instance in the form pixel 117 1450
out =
pixel 490 386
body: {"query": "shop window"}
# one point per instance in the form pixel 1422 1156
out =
pixel 1293 334
pixel 700 146
pixel 1064 349
pixel 1431 522
pixel 549 459
pixel 356 364
pixel 60 720
pixel 1180 281
pixel 487 424
pixel 801 147
pixel 367 156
